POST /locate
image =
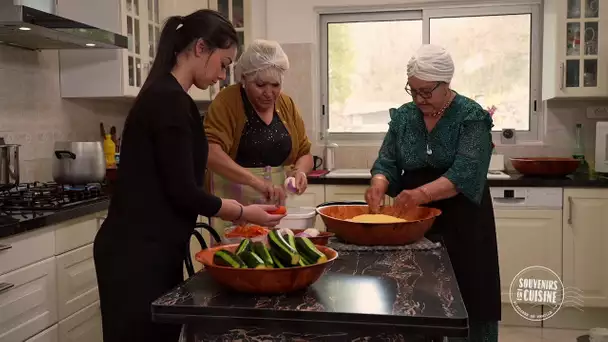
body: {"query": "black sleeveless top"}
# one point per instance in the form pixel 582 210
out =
pixel 262 145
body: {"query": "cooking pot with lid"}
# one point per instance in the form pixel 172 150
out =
pixel 77 162
pixel 9 164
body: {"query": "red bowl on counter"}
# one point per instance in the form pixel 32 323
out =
pixel 545 166
pixel 264 281
pixel 322 239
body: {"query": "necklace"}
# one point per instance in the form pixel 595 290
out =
pixel 443 108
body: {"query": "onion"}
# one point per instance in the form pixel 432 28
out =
pixel 303 234
pixel 311 232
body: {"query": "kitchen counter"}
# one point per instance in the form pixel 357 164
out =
pixel 403 295
pixel 516 180
pixel 36 219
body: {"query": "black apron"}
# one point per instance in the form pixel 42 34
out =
pixel 468 232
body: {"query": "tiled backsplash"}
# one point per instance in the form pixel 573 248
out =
pixel 33 114
pixel 560 119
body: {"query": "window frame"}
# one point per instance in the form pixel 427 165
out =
pixel 426 13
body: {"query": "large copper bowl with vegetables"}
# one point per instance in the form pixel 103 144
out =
pixel 340 218
pixel 283 264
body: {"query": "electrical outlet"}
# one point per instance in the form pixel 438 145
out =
pixel 597 112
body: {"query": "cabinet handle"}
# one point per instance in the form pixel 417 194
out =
pixel 5 247
pixel 562 75
pixel 6 286
pixel 570 205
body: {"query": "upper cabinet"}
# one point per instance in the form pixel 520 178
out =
pixel 239 13
pixel 112 73
pixel 575 49
pixel 121 73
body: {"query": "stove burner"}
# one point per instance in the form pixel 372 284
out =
pixel 47 196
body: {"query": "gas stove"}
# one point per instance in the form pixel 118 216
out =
pixel 32 200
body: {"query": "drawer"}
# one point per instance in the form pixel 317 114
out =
pixel 76 281
pixel 83 326
pixel 30 306
pixel 49 335
pixel 25 249
pixel 75 233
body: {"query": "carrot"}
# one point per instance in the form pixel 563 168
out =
pixel 279 211
pixel 247 231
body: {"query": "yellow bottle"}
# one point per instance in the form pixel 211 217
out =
pixel 109 150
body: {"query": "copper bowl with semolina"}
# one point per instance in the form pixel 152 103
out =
pixel 415 222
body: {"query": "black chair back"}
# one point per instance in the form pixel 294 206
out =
pixel 201 241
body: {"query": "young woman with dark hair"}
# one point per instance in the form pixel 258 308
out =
pixel 140 248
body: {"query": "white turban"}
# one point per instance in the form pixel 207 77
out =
pixel 262 55
pixel 431 63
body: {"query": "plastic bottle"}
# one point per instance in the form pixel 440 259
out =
pixel 579 150
pixel 109 151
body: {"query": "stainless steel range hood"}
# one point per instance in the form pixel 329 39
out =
pixel 35 29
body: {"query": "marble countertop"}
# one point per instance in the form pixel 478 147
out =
pixel 395 292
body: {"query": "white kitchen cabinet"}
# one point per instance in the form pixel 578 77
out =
pixel 527 238
pixel 49 335
pixel 111 73
pixel 25 249
pixel 348 193
pixel 575 49
pixel 30 306
pixel 584 243
pixel 76 281
pixel 83 326
pixel 75 233
pixel 239 13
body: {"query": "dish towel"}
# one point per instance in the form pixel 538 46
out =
pixel 424 244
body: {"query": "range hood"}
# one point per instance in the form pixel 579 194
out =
pixel 36 29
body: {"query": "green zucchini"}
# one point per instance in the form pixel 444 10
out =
pixel 252 260
pixel 291 240
pixel 282 249
pixel 261 251
pixel 309 251
pixel 245 245
pixel 276 259
pixel 227 258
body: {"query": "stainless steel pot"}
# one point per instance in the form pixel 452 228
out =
pixel 9 164
pixel 78 162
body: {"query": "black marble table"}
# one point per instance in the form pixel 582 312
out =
pixel 364 296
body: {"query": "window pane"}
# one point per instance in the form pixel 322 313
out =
pixel 492 56
pixel 367 72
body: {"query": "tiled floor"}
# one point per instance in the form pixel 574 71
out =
pixel 517 334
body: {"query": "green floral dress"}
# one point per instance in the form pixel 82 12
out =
pixel 459 148
pixel 460 142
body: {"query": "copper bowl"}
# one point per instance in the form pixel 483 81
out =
pixel 545 166
pixel 322 239
pixel 335 216
pixel 264 281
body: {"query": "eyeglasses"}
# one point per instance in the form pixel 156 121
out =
pixel 424 93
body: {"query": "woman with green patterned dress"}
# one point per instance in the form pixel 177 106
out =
pixel 436 153
pixel 256 135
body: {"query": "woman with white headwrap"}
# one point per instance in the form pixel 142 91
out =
pixel 255 130
pixel 437 153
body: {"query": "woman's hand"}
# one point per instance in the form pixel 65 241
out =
pixel 301 182
pixel 408 199
pixel 374 196
pixel 273 194
pixel 258 214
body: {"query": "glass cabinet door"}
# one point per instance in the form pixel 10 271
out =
pixel 154 28
pixel 233 10
pixel 582 43
pixel 136 42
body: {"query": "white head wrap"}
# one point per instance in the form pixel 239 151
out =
pixel 262 55
pixel 431 63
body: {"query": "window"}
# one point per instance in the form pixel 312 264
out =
pixel 364 56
